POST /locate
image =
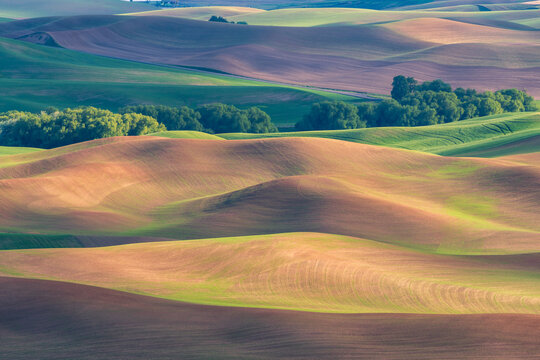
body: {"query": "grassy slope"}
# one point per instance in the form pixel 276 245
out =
pixel 35 77
pixel 12 150
pixel 300 271
pixel 490 136
pixel 32 241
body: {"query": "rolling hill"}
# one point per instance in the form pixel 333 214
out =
pixel 377 243
pixel 297 271
pixel 35 77
pixel 490 136
pixel 188 189
pixel 365 59
pixel 66 321
pixel 324 16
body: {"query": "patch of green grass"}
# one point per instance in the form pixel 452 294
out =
pixel 456 169
pixel 473 204
pixel 13 150
pixel 37 241
pixel 496 135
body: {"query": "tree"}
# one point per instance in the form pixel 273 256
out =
pixel 392 113
pixel 402 86
pixel 367 112
pixel 414 104
pixel 221 118
pixel 425 116
pixel 435 85
pixel 218 19
pixel 260 121
pixel 489 106
pixel 70 126
pixel 138 124
pixel 182 118
pixel 331 115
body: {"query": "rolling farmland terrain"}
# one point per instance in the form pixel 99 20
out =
pixel 377 242
pixel 311 224
pixel 466 49
pixel 139 327
pixel 34 77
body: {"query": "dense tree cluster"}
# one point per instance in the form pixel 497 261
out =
pixel 331 115
pixel 174 118
pixel 414 104
pixel 213 118
pixel 221 118
pixel 52 127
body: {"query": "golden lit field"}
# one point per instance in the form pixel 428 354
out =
pixel 301 271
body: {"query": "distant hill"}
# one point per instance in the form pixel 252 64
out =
pixel 35 8
pixel 366 57
pixel 35 77
pixel 365 4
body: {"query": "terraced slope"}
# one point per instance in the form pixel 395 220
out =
pixel 490 136
pixel 365 58
pixel 299 271
pixel 34 77
pixel 90 322
pixel 188 188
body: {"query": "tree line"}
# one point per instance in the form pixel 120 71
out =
pixel 52 127
pixel 414 104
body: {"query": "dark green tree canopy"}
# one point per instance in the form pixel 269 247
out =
pixel 218 19
pixel 222 118
pixel 52 128
pixel 181 118
pixel 331 115
pixel 402 86
pixel 413 104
